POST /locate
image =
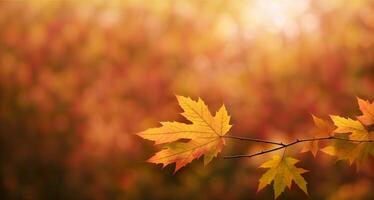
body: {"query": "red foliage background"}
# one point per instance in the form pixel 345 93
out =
pixel 79 78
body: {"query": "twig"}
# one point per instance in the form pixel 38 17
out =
pixel 253 140
pixel 293 143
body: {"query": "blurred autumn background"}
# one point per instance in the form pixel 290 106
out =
pixel 79 78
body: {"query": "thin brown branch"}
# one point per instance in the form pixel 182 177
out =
pixel 252 140
pixel 293 143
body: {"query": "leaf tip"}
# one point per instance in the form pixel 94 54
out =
pixel 360 99
pixel 179 97
pixel 140 134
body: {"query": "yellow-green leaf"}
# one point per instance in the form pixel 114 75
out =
pixel 340 148
pixel 353 152
pixel 282 171
pixel 347 125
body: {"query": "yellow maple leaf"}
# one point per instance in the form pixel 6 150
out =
pixel 347 125
pixel 346 150
pixel 282 171
pixel 367 110
pixel 322 128
pixel 204 134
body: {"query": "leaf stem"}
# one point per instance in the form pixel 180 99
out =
pixel 282 146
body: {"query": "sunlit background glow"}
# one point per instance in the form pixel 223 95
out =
pixel 283 16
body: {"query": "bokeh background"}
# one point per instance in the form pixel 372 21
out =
pixel 79 78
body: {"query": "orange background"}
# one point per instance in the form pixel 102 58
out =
pixel 79 78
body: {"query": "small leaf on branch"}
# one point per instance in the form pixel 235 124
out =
pixel 322 128
pixel 345 150
pixel 282 171
pixel 340 148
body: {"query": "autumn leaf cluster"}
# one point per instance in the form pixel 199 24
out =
pixel 356 130
pixel 349 139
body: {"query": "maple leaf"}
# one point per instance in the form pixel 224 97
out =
pixel 204 134
pixel 347 125
pixel 367 110
pixel 322 128
pixel 353 153
pixel 340 148
pixel 282 171
pixel 346 150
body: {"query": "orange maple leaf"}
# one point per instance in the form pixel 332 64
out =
pixel 367 109
pixel 322 128
pixel 204 135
